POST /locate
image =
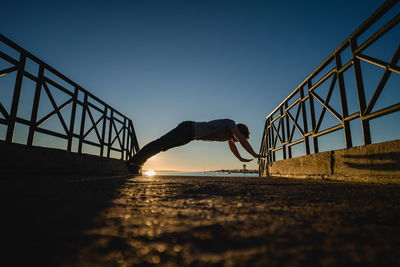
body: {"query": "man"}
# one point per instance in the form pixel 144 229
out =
pixel 187 131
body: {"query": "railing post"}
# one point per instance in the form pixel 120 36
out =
pixel 103 131
pixel 72 120
pixel 35 106
pixel 360 92
pixel 82 130
pixel 267 137
pixel 123 139
pixel 282 120
pixel 15 101
pixel 270 139
pixel 128 140
pixel 110 132
pixel 343 101
pixel 312 115
pixel 289 148
pixel 304 115
pixel 266 149
pixel 135 141
pixel 131 140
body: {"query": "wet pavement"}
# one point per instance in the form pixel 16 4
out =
pixel 198 221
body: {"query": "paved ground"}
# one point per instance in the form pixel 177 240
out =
pixel 198 221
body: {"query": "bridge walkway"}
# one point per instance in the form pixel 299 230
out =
pixel 175 221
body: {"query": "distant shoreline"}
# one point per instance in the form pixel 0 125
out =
pixel 213 171
pixel 236 171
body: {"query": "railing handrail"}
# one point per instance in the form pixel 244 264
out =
pixel 127 143
pixel 360 30
pixel 54 71
pixel 280 125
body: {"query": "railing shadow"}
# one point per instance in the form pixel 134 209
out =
pixel 389 161
pixel 44 218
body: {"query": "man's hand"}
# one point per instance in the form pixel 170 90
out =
pixel 245 144
pixel 236 152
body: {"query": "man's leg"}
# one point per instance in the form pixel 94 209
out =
pixel 179 136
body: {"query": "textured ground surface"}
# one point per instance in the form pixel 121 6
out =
pixel 175 221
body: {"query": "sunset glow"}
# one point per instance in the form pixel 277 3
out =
pixel 150 173
pixel 229 59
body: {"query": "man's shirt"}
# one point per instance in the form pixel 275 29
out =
pixel 215 130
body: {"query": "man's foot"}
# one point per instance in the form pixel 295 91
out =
pixel 134 168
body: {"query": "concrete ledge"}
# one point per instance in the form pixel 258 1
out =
pixel 371 163
pixel 16 159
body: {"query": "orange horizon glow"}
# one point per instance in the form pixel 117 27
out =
pixel 150 173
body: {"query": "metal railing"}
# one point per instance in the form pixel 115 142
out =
pixel 296 115
pixel 81 122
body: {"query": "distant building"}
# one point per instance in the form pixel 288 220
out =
pixel 244 167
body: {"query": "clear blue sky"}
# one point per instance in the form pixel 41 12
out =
pixel 162 62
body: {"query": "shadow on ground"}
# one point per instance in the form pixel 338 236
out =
pixel 44 218
pixel 201 221
pixel 213 221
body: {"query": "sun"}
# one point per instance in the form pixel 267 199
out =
pixel 150 173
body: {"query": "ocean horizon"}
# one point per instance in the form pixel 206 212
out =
pixel 202 173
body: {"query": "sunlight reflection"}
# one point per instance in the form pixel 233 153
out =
pixel 150 173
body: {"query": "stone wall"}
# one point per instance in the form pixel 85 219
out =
pixel 16 159
pixel 372 163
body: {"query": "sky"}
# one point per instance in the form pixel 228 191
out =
pixel 163 62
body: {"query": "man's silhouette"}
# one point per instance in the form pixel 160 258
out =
pixel 187 131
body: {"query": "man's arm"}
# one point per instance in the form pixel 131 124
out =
pixel 236 133
pixel 236 152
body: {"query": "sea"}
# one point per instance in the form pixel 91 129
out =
pixel 219 174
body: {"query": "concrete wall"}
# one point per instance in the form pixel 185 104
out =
pixel 370 163
pixel 16 159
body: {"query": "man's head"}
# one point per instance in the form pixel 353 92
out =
pixel 244 130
